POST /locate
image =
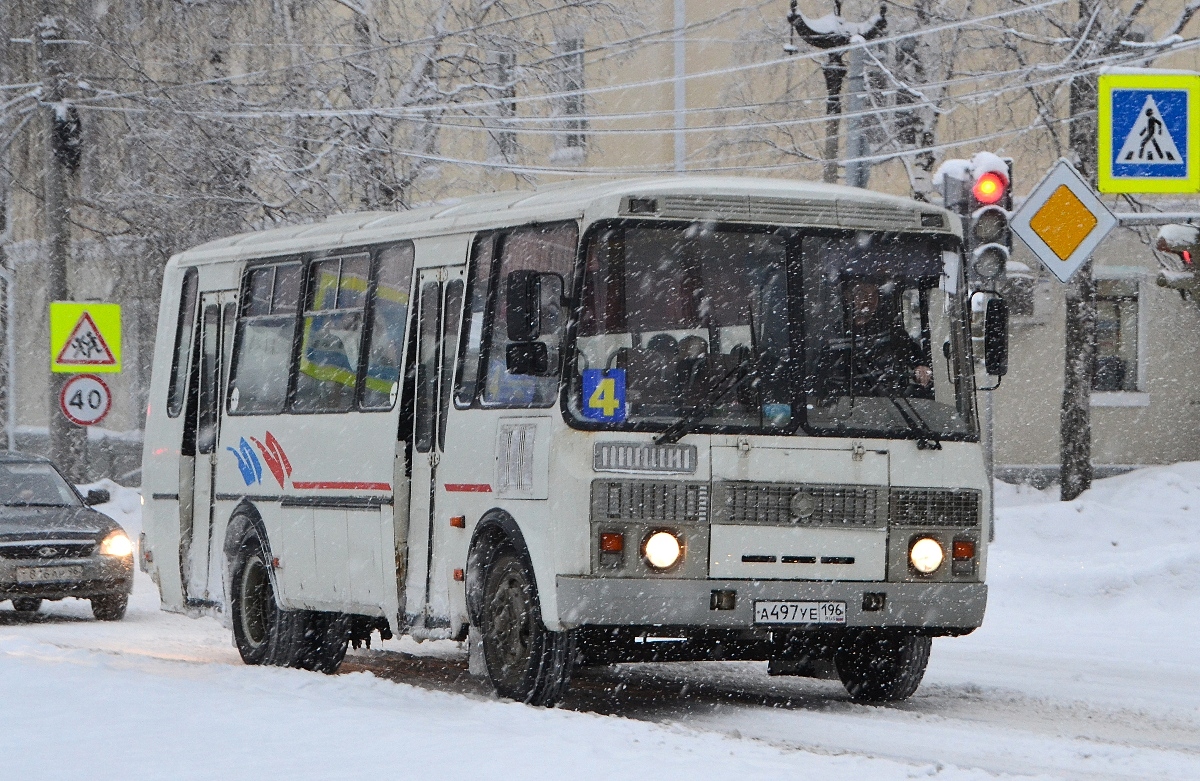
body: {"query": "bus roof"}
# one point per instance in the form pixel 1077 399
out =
pixel 695 197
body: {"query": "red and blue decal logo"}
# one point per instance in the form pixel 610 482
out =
pixel 251 467
pixel 272 452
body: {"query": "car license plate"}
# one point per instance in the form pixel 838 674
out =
pixel 799 612
pixel 48 574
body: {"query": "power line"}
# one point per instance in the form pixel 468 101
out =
pixel 472 123
pixel 424 108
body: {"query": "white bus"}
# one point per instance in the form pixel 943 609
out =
pixel 656 419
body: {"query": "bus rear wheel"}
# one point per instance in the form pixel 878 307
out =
pixel 323 641
pixel 525 661
pixel 881 666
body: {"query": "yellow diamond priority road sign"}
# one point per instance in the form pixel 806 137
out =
pixel 1062 221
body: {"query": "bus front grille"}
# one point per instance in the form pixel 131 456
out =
pixel 645 500
pixel 842 506
pixel 934 507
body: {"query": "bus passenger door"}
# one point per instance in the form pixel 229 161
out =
pixel 217 314
pixel 438 318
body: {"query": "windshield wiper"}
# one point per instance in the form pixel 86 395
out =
pixel 688 422
pixel 927 438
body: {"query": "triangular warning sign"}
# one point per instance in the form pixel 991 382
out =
pixel 1149 141
pixel 85 346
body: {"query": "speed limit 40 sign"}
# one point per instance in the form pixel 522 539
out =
pixel 85 399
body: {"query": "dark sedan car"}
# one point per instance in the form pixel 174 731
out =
pixel 53 545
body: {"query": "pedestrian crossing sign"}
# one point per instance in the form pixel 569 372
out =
pixel 85 337
pixel 1148 134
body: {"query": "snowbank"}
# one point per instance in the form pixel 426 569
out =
pixel 1131 542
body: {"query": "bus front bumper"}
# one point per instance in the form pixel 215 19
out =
pixel 582 600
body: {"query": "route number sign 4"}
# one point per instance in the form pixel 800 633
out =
pixel 85 399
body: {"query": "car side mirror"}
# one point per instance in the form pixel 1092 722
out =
pixel 97 496
pixel 532 358
pixel 995 337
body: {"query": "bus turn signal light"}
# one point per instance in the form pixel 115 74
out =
pixel 612 542
pixel 964 549
pixel 458 521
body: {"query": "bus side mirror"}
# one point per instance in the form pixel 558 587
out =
pixel 995 337
pixel 531 358
pixel 533 305
pixel 523 306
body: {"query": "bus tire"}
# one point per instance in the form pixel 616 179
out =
pixel 525 661
pixel 323 641
pixel 263 632
pixel 881 666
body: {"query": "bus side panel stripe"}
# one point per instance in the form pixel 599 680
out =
pixel 469 488
pixel 348 486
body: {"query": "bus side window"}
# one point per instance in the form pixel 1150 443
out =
pixel 427 367
pixel 182 359
pixel 262 358
pixel 331 338
pixel 453 310
pixel 544 248
pixel 388 318
pixel 471 344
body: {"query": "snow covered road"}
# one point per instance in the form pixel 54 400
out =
pixel 1085 668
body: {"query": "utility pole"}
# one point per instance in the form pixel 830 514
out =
pixel 858 169
pixel 837 34
pixel 1075 421
pixel 68 442
pixel 680 85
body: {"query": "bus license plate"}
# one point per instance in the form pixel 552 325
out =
pixel 799 612
pixel 48 574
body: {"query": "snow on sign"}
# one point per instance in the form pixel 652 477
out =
pixel 85 337
pixel 85 399
pixel 1062 221
pixel 1148 133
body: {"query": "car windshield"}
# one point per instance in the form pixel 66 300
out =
pixel 732 328
pixel 884 343
pixel 34 484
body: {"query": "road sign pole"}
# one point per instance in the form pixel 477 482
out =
pixel 68 442
pixel 10 358
pixel 1075 421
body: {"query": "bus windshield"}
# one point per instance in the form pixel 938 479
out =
pixel 719 328
pixel 884 345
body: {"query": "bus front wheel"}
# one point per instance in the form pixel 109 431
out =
pixel 263 632
pixel 525 661
pixel 881 666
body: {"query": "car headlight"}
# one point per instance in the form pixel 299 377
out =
pixel 662 550
pixel 117 544
pixel 926 555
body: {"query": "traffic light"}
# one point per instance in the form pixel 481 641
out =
pixel 980 191
pixel 988 238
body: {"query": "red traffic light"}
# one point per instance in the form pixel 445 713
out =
pixel 989 188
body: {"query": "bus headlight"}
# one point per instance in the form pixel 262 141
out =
pixel 926 555
pixel 116 544
pixel 662 550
